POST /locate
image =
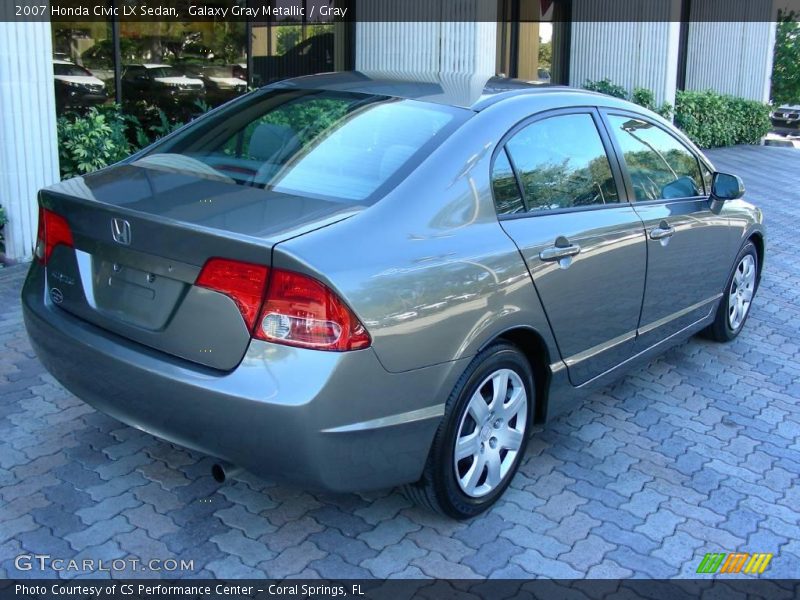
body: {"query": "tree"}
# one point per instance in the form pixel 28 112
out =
pixel 786 64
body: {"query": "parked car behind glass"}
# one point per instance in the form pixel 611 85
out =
pixel 355 283
pixel 76 87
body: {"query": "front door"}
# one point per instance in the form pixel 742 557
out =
pixel 684 228
pixel 583 245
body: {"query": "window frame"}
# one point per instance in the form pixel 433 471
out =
pixel 629 191
pixel 605 140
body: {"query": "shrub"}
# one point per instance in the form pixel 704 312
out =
pixel 712 120
pixel 606 86
pixel 641 96
pixel 92 141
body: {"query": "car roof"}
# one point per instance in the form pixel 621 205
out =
pixel 459 91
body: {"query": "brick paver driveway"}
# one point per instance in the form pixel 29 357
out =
pixel 698 453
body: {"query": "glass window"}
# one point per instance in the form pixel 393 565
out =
pixel 562 164
pixel 178 70
pixel 284 49
pixel 507 199
pixel 334 145
pixel 659 165
pixel 83 65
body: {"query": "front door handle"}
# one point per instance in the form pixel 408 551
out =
pixel 661 232
pixel 558 252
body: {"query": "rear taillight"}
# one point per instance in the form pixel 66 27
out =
pixel 298 310
pixel 301 311
pixel 53 230
pixel 243 282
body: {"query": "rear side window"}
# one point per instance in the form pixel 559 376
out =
pixel 562 163
pixel 507 198
pixel 660 167
pixel 333 145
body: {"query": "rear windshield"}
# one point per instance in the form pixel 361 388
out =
pixel 333 145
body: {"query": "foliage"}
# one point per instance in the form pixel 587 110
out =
pixel 92 141
pixel 607 87
pixel 546 55
pixel 646 98
pixel 641 96
pixel 288 37
pixel 786 64
pixel 712 120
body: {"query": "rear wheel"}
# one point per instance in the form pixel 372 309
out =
pixel 734 306
pixel 483 435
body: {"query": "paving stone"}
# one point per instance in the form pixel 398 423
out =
pixel 452 549
pixel 98 533
pixel 253 526
pixel 538 565
pixel 482 530
pixel 388 533
pixel 107 509
pixel 291 534
pixel 659 525
pixel 392 558
pixel 352 550
pixel 231 567
pixel 437 566
pixel 545 543
pixel 492 556
pixel 250 552
pixel 155 524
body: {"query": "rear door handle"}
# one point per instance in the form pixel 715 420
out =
pixel 661 232
pixel 559 252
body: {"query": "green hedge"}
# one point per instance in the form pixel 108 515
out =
pixel 712 120
pixel 641 96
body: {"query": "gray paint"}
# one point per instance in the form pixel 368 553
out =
pixel 432 274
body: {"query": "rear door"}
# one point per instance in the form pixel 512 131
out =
pixel 559 197
pixel 685 231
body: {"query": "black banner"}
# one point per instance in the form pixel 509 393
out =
pixel 329 11
pixel 607 589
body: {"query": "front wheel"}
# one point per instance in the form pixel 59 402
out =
pixel 483 435
pixel 734 306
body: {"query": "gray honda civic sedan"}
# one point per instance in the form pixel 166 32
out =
pixel 353 283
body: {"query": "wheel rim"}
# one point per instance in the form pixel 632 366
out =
pixel 741 292
pixel 490 433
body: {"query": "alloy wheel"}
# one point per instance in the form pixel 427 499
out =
pixel 741 292
pixel 490 433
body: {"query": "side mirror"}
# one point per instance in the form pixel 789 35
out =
pixel 726 187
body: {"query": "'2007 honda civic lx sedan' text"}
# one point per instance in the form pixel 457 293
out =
pixel 353 283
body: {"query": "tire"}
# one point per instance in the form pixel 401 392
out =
pixel 742 284
pixel 496 445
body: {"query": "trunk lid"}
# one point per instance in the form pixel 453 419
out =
pixel 142 234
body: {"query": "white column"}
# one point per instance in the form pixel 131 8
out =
pixel 734 54
pixel 632 54
pixel 459 55
pixel 28 143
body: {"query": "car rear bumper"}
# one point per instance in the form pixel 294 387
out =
pixel 336 421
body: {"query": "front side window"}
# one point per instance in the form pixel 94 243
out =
pixel 660 167
pixel 332 145
pixel 562 163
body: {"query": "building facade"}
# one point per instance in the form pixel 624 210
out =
pixel 182 67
